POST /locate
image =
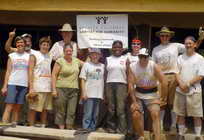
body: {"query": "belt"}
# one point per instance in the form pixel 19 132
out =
pixel 171 73
pixel 142 90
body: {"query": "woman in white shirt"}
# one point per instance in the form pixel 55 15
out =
pixel 116 89
pixel 16 81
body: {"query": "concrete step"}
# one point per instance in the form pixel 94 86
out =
pixel 11 138
pixel 57 134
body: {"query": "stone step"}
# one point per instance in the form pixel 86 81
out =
pixel 57 134
pixel 11 138
pixel 50 133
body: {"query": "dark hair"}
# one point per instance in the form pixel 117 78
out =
pixel 67 46
pixel 45 39
pixel 19 38
pixel 117 42
pixel 191 38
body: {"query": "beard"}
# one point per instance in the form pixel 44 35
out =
pixel 27 48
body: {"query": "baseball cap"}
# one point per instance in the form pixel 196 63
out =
pixel 96 50
pixel 143 51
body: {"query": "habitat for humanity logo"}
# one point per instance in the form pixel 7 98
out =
pixel 101 19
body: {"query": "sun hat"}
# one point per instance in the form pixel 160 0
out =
pixel 165 30
pixel 66 28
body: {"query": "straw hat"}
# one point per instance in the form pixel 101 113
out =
pixel 66 28
pixel 165 30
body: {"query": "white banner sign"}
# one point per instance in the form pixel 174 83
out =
pixel 99 31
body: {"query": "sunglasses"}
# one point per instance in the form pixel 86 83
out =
pixel 164 35
pixel 136 44
pixel 143 56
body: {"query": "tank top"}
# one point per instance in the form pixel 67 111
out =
pixel 19 70
pixel 145 78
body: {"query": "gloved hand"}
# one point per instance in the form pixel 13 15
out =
pixel 32 97
pixel 201 33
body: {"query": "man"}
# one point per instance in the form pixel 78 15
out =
pixel 145 74
pixel 28 49
pixel 26 37
pixel 57 50
pixel 188 97
pixel 165 55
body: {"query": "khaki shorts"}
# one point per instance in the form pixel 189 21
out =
pixel 190 105
pixel 44 102
pixel 168 99
pixel 149 103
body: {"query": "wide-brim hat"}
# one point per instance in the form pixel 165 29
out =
pixel 66 28
pixel 165 30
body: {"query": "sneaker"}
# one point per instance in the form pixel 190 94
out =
pixel 180 137
pixel 199 138
pixel 141 138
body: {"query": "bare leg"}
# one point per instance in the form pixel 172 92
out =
pixel 156 124
pixel 138 124
pixel 31 117
pixel 7 113
pixel 43 117
pixel 197 125
pixel 16 111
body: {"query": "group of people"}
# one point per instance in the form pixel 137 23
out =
pixel 165 80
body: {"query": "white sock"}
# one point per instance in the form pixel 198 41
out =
pixel 173 119
pixel 181 129
pixel 198 130
pixel 162 113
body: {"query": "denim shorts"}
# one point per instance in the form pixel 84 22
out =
pixel 16 94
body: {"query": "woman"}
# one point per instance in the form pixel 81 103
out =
pixel 16 81
pixel 65 88
pixel 116 89
pixel 40 97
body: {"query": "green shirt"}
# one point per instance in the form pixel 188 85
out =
pixel 69 73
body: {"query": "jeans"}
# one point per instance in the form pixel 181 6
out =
pixel 91 111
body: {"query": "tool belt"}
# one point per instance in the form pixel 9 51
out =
pixel 142 90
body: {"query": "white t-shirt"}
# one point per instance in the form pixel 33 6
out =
pixel 116 68
pixel 145 79
pixel 132 58
pixel 190 67
pixel 19 70
pixel 57 50
pixel 94 76
pixel 42 73
pixel 167 55
pixel 33 51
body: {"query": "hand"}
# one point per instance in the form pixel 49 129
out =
pixel 83 97
pixel 13 33
pixel 127 62
pixel 134 106
pixel 54 94
pixel 4 91
pixel 184 88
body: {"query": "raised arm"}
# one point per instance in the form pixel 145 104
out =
pixel 8 45
pixel 32 62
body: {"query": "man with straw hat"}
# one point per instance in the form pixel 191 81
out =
pixel 165 55
pixel 57 49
